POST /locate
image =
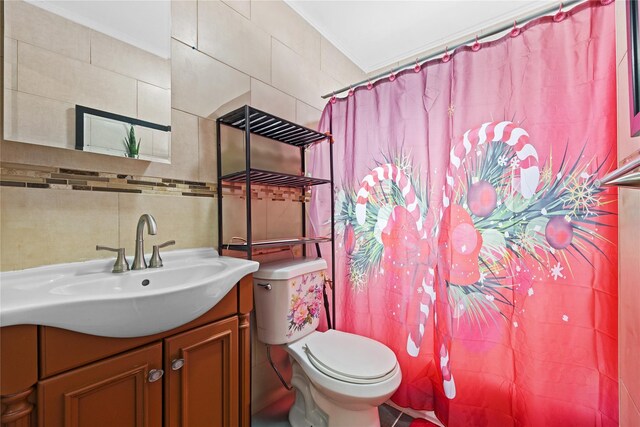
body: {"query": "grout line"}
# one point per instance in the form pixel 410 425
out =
pixel 397 419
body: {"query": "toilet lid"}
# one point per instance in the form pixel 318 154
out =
pixel 351 358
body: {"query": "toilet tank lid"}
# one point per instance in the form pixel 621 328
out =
pixel 284 270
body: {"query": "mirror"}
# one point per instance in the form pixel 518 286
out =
pixel 101 132
pixel 87 71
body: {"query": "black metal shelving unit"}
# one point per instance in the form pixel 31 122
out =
pixel 255 122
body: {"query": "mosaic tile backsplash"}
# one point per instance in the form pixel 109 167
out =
pixel 29 176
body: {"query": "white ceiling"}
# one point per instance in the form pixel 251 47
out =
pixel 374 34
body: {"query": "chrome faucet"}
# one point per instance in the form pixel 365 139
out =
pixel 139 263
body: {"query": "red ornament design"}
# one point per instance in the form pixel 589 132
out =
pixel 482 198
pixel 460 245
pixel 559 232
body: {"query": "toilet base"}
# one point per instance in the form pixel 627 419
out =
pixel 313 409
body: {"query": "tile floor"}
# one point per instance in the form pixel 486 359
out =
pixel 276 415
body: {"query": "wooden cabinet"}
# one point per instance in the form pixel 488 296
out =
pixel 202 376
pixel 117 391
pixel 54 377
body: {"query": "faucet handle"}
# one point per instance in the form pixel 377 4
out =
pixel 121 265
pixel 156 261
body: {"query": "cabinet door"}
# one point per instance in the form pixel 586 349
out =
pixel 202 376
pixel 114 392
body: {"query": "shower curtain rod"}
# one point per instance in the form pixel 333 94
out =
pixel 445 50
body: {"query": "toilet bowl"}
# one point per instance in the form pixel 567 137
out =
pixel 340 379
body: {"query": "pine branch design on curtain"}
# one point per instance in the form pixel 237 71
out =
pixel 481 250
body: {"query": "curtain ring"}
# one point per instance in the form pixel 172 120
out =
pixel 333 98
pixel 369 85
pixel 476 46
pixel 392 76
pixel 560 15
pixel 417 67
pixel 446 56
pixel 515 31
pixel 351 91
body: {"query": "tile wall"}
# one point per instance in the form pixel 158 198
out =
pixel 224 55
pixel 629 238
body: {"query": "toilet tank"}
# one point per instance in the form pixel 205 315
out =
pixel 288 298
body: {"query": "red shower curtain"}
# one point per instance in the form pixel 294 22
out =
pixel 471 235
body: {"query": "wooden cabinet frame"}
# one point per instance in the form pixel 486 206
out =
pixel 34 359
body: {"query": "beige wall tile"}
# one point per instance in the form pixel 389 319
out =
pixel 626 143
pixel 201 85
pixel 231 38
pixel 10 63
pixel 233 149
pixel 234 218
pixel 307 115
pixel 42 227
pixel 190 221
pixel 267 98
pixel 241 6
pixel 31 154
pixel 154 103
pixel 207 150
pixel 628 235
pixel 123 58
pixel 184 21
pixel 621 30
pixel 30 24
pixel 184 144
pixel 284 219
pixel 265 153
pixel 258 350
pixel 38 120
pixel 628 290
pixel 629 410
pixel 51 75
pixel 338 66
pixel 283 23
pixel 273 155
pixel 266 388
pixel 296 77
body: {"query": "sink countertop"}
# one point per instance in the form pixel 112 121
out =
pixel 87 297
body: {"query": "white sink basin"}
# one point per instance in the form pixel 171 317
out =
pixel 86 297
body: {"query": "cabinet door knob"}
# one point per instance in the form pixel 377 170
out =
pixel 177 364
pixel 155 375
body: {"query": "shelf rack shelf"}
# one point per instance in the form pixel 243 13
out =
pixel 256 122
pixel 263 177
pixel 273 243
pixel 270 126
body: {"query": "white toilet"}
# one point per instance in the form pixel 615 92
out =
pixel 340 378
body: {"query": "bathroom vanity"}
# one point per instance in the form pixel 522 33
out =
pixel 195 374
pixel 82 346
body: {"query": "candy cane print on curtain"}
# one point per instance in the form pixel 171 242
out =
pixel 470 235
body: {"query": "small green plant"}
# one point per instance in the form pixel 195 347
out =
pixel 130 143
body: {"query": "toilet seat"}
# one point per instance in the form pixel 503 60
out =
pixel 346 391
pixel 350 358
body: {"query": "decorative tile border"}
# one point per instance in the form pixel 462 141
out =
pixel 30 176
